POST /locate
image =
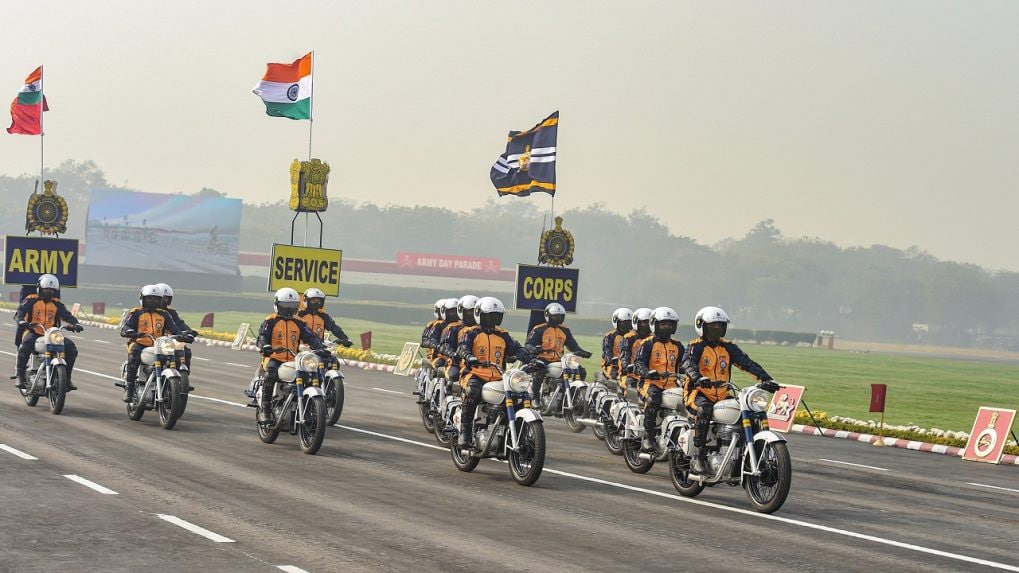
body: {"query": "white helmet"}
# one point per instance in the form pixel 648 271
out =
pixel 314 293
pixel 708 315
pixel 663 314
pixel 554 309
pixel 166 292
pixel 488 312
pixel 621 315
pixel 640 315
pixel 465 306
pixel 50 284
pixel 286 301
pixel 437 311
pixel 447 305
pixel 151 297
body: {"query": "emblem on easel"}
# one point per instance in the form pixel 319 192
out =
pixel 308 181
pixel 556 248
pixel 47 212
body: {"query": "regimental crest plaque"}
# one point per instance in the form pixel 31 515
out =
pixel 557 246
pixel 47 212
pixel 308 181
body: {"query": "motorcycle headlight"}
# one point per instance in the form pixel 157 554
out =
pixel 570 361
pixel 757 400
pixel 56 337
pixel 518 380
pixel 308 361
pixel 166 345
pixel 179 344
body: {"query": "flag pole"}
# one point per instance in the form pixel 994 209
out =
pixel 42 131
pixel 311 104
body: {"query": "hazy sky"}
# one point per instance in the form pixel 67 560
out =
pixel 859 122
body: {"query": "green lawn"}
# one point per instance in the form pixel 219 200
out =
pixel 926 391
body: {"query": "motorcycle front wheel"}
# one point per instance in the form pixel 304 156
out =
pixel 528 460
pixel 169 407
pixel 185 389
pixel 441 435
pixel 631 455
pixel 613 439
pixel 58 389
pixel 679 471
pixel 579 410
pixel 424 408
pixel 334 401
pixel 313 430
pixel 768 491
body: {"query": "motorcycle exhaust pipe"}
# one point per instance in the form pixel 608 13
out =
pixel 590 421
pixel 645 456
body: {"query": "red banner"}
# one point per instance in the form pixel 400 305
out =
pixel 877 397
pixel 447 262
pixel 990 434
pixel 99 308
pixel 366 340
pixel 207 320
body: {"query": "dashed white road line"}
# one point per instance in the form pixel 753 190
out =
pixel 90 484
pixel 852 464
pixel 17 452
pixel 200 358
pixel 389 391
pixel 745 512
pixel 8 324
pixel 102 341
pixel 290 569
pixel 967 483
pixel 240 365
pixel 211 535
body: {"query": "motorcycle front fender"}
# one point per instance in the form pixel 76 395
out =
pixel 330 374
pixel 312 391
pixel 768 436
pixel 169 373
pixel 528 415
pixel 57 360
pixel 578 384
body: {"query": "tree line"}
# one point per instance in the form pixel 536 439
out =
pixel 763 279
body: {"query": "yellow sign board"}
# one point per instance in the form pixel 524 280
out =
pixel 301 268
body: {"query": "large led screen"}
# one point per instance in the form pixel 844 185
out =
pixel 162 232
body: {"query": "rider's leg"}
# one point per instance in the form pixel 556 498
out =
pixel 24 352
pixel 472 398
pixel 651 407
pixel 268 389
pixel 134 360
pixel 70 355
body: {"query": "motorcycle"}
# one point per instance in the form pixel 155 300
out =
pixel 332 385
pixel 426 381
pixel 764 469
pixel 620 416
pixel 600 397
pixel 562 393
pixel 164 389
pixel 674 421
pixel 505 428
pixel 47 372
pixel 298 404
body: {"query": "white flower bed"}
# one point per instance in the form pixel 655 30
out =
pixel 910 427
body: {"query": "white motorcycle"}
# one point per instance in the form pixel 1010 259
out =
pixel 163 389
pixel 674 421
pixel 298 404
pixel 764 469
pixel 621 415
pixel 47 372
pixel 563 393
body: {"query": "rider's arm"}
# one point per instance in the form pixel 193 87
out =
pixel 334 328
pixel 130 325
pixel 691 360
pixel 65 315
pixel 24 311
pixel 514 349
pixel 448 344
pixel 534 338
pixel 740 359
pixel 265 332
pixel 571 342
pixel 171 325
pixel 309 337
pixel 606 348
pixel 183 326
pixel 466 347
pixel 640 361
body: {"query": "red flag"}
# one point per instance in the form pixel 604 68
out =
pixel 27 107
pixel 207 320
pixel 99 308
pixel 366 340
pixel 877 397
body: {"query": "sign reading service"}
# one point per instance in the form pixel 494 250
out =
pixel 301 268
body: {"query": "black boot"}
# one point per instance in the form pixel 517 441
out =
pixel 699 462
pixel 129 391
pixel 19 378
pixel 466 435
pixel 265 412
pixel 648 444
pixel 70 385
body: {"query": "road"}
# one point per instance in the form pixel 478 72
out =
pixel 382 496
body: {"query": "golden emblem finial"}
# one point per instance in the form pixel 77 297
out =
pixel 525 159
pixel 308 181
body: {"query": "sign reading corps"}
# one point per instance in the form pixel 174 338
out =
pixel 537 286
pixel 301 268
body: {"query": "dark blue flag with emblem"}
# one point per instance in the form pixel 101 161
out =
pixel 529 162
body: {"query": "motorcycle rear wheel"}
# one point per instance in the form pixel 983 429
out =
pixel 579 410
pixel 444 438
pixel 58 389
pixel 169 407
pixel 136 407
pixel 464 461
pixel 679 471
pixel 768 491
pixel 424 408
pixel 30 398
pixel 527 462
pixel 313 430
pixel 613 440
pixel 267 432
pixel 631 451
pixel 334 401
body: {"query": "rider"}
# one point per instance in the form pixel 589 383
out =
pixel 657 357
pixel 708 363
pixel 142 325
pixel 641 329
pixel 433 330
pixel 318 320
pixel 612 343
pixel 45 310
pixel 550 337
pixel 486 344
pixel 279 338
pixel 167 293
pixel 454 331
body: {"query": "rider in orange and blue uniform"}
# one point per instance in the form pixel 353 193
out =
pixel 319 320
pixel 613 342
pixel 641 323
pixel 43 308
pixel 658 363
pixel 143 325
pixel 550 337
pixel 708 365
pixel 453 332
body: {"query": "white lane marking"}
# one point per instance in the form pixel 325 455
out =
pixel 200 358
pixel 18 453
pixel 240 365
pixel 7 353
pixel 90 484
pixel 211 399
pixel 211 535
pixel 291 569
pixel 746 512
pixel 100 374
pixel 8 324
pixel 102 341
pixel 852 464
pixel 384 390
pixel 967 483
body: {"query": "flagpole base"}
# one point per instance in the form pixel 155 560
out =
pixel 880 443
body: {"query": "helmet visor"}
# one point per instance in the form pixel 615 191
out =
pixel 715 330
pixel 287 309
pixel 47 293
pixel 315 304
pixel 491 319
pixel 151 302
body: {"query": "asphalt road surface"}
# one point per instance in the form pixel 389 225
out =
pixel 89 490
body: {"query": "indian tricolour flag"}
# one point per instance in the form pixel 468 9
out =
pixel 286 89
pixel 27 108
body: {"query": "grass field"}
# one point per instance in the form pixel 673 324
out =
pixel 928 391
